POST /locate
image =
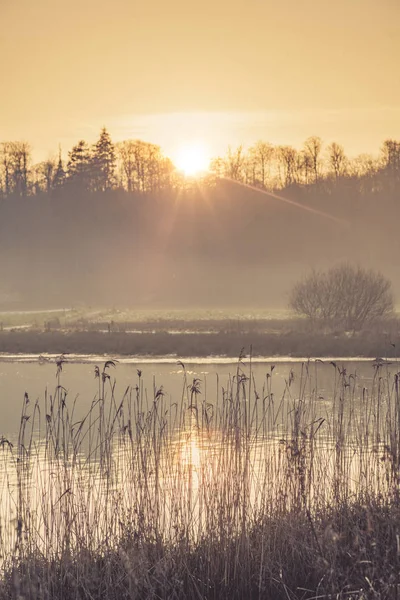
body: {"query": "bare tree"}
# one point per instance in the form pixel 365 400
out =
pixel 391 155
pixel 363 165
pixel 287 159
pixel 259 162
pixel 391 162
pixel 362 295
pixel 126 155
pixel 165 173
pixel 344 296
pixel 304 167
pixel 366 170
pixel 15 162
pixel 217 167
pixel 234 163
pixel 44 175
pixel 155 166
pixel 5 155
pixel 143 167
pixel 312 148
pixel 307 297
pixel 337 159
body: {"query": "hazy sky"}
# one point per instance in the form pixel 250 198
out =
pixel 227 71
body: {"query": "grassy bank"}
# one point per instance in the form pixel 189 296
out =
pixel 222 494
pixel 296 343
pixel 341 554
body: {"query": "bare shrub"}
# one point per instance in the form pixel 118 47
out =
pixel 344 296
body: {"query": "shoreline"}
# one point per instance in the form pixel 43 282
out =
pixel 224 346
pixel 47 358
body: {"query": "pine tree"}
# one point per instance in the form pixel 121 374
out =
pixel 104 162
pixel 80 165
pixel 59 175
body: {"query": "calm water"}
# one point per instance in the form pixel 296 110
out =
pixel 26 374
pixel 190 444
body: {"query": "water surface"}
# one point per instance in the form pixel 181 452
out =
pixel 36 376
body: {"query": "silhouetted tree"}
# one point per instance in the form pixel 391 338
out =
pixel 59 174
pixel 363 165
pixel 391 158
pixel 312 148
pixel 259 160
pixel 365 172
pixel 165 173
pixel 5 154
pixel 345 296
pixel 15 166
pixel 303 168
pixel 103 162
pixel 143 167
pixel 153 167
pixel 21 157
pixel 44 176
pixel 337 159
pixel 235 163
pixel 126 154
pixel 287 163
pixel 80 165
pixel 391 154
pixel 217 167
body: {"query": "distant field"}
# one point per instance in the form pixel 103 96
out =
pixel 191 332
pixel 153 317
pixel 68 316
pixel 36 318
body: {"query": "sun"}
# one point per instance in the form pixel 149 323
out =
pixel 192 159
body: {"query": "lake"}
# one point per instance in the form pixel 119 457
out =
pixel 26 373
pixel 159 448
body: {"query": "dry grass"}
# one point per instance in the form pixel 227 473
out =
pixel 225 493
pixel 280 342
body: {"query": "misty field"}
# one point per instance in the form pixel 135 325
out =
pixel 94 317
pixel 223 492
pixel 189 333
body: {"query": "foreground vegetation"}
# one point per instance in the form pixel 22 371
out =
pixel 229 493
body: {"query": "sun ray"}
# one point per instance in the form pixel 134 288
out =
pixel 310 209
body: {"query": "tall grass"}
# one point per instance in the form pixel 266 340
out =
pixel 229 492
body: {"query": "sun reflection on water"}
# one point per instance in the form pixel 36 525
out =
pixel 157 469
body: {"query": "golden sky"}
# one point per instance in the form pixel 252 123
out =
pixel 227 71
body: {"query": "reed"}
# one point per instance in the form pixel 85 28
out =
pixel 225 492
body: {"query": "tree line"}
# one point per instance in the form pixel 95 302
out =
pixel 142 167
pixel 132 165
